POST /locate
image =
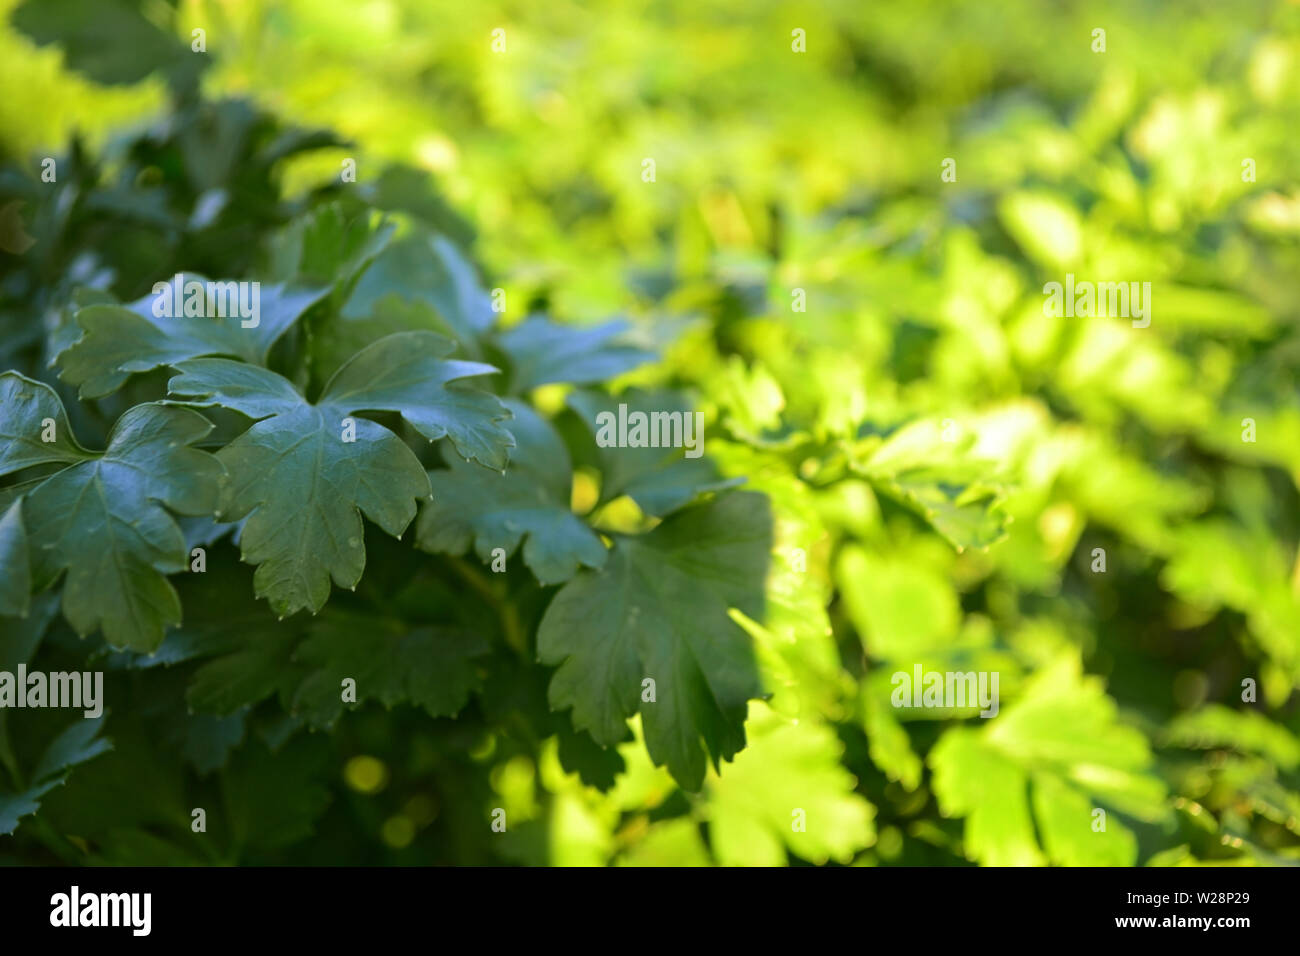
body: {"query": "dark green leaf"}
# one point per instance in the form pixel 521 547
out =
pixel 529 503
pixel 303 486
pixel 119 341
pixel 542 351
pixel 658 610
pixel 104 519
pixel 659 479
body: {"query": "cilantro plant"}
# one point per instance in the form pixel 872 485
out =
pixel 256 470
pixel 366 584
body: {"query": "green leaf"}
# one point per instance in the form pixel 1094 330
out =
pixel 1047 227
pixel 139 783
pixel 887 740
pixel 209 740
pixel 529 503
pixel 119 341
pixel 408 373
pixel 16 582
pixel 991 792
pixel 104 519
pixel 21 636
pixel 1063 737
pixel 428 270
pixel 668 843
pixel 1215 562
pixel 658 610
pixel 899 604
pixel 244 671
pixel 1248 731
pixel 753 400
pixel 787 791
pixel 15 806
pixel 77 744
pixel 110 41
pixel 304 488
pixel 326 247
pixel 273 800
pixel 936 478
pixel 595 765
pixel 542 352
pixel 429 667
pixel 31 413
pixel 659 480
pixel 1070 827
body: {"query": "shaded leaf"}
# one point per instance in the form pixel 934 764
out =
pixel 77 744
pixel 659 479
pixel 658 610
pixel 542 352
pixel 119 341
pixel 529 503
pixel 105 519
pixel 303 488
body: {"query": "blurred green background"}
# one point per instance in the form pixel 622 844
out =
pixel 782 175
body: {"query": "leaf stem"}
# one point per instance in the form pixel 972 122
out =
pixel 7 758
pixel 496 597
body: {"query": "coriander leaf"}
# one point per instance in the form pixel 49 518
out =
pixel 303 489
pixel 935 477
pixel 1248 731
pixel 304 474
pixel 530 500
pixel 659 610
pixel 105 519
pixel 1049 759
pixel 273 800
pixel 888 743
pixel 992 793
pixel 245 671
pixel 327 247
pixel 209 740
pixel 659 479
pixel 675 842
pixel 1065 822
pixel 22 636
pixel 428 270
pixel 788 766
pixel 334 338
pixel 34 428
pixel 77 744
pixel 596 766
pixel 430 667
pixel 119 341
pixel 899 603
pixel 408 373
pixel 967 514
pixel 15 806
pixel 542 352
pixel 16 582
pixel 79 27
